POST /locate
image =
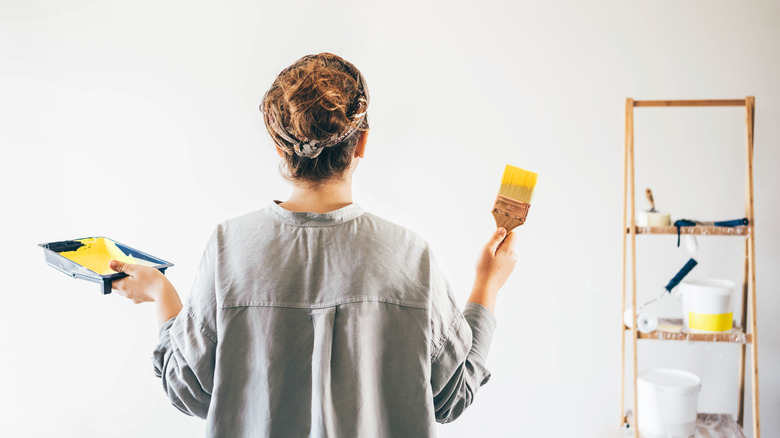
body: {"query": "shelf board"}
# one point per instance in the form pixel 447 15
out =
pixel 707 426
pixel 671 330
pixel 690 103
pixel 698 230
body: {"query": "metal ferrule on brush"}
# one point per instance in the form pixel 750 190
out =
pixel 511 208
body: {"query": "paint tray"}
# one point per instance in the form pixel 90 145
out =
pixel 87 259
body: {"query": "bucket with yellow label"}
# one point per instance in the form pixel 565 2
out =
pixel 708 305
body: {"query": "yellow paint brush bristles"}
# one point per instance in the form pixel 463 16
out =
pixel 518 184
pixel 514 198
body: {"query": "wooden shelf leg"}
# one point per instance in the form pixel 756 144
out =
pixel 622 417
pixel 742 348
pixel 750 104
pixel 632 188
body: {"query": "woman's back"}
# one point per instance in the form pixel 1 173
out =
pixel 334 324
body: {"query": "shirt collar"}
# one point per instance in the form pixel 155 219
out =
pixel 308 219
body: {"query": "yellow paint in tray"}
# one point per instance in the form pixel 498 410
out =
pixel 97 252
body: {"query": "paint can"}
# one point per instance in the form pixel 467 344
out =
pixel 708 305
pixel 667 403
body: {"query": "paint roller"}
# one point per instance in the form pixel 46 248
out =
pixel 646 322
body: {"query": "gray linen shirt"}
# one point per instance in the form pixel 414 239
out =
pixel 322 325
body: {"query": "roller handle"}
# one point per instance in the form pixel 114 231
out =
pixel 732 223
pixel 680 275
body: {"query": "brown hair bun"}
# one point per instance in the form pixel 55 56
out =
pixel 314 112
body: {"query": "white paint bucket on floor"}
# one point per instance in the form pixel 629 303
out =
pixel 708 305
pixel 668 403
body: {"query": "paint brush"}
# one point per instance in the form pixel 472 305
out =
pixel 514 198
pixel 649 194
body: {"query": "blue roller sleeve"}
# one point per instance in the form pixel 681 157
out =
pixel 680 275
pixel 733 223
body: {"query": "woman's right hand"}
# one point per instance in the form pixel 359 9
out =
pixel 494 266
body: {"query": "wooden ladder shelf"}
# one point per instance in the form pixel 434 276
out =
pixel 667 328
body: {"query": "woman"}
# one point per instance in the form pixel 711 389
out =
pixel 312 317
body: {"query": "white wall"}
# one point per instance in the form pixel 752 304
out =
pixel 138 120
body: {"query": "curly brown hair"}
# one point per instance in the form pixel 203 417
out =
pixel 315 111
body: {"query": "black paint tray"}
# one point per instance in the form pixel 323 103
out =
pixel 53 253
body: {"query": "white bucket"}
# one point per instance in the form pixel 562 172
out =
pixel 667 402
pixel 707 305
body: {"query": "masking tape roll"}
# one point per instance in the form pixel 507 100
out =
pixel 653 219
pixel 720 322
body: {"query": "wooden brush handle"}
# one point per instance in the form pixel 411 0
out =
pixel 509 213
pixel 649 194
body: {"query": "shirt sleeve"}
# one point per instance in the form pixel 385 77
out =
pixel 460 346
pixel 185 356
